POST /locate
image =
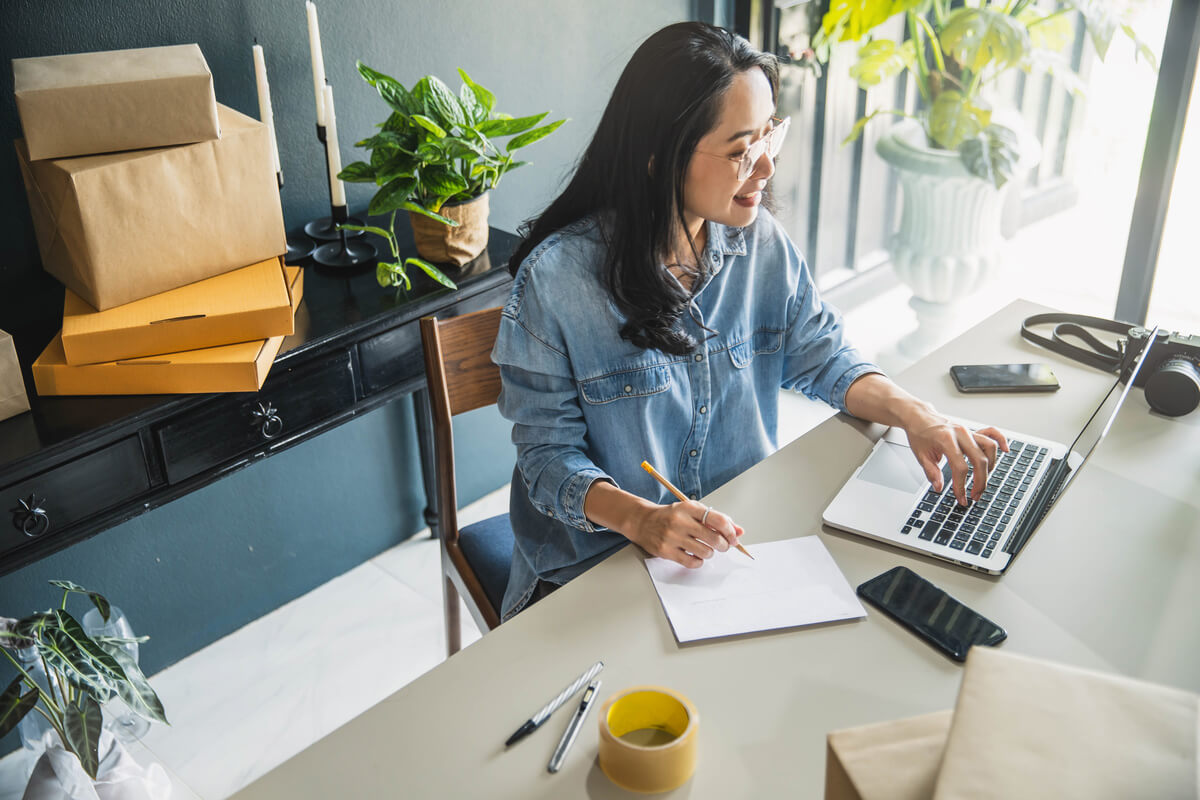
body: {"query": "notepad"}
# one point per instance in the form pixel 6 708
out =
pixel 790 583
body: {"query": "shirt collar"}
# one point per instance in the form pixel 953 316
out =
pixel 726 241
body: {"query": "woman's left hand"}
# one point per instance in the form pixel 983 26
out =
pixel 931 436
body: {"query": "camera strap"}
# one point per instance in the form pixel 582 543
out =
pixel 1097 353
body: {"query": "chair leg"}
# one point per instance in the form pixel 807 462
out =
pixel 453 624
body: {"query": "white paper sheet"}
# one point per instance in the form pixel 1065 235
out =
pixel 790 583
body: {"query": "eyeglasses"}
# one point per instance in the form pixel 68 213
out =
pixel 770 144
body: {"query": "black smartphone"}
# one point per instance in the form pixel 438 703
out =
pixel 1004 378
pixel 930 613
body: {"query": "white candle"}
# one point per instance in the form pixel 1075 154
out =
pixel 264 102
pixel 336 189
pixel 318 60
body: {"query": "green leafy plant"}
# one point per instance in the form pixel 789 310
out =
pixel 435 147
pixel 955 54
pixel 82 673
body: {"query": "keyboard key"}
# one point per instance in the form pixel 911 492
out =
pixel 955 518
pixel 987 552
pixel 1014 446
pixel 928 531
pixel 925 506
pixel 943 536
pixel 974 547
pixel 986 527
pixel 958 544
pixel 906 529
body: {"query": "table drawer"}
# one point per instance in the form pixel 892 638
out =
pixel 40 506
pixel 394 356
pixel 233 426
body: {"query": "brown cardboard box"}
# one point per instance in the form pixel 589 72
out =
pixel 1024 727
pixel 886 761
pixel 88 103
pixel 119 227
pixel 13 400
pixel 230 368
pixel 249 303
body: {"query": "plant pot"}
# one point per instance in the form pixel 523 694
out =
pixel 444 244
pixel 58 775
pixel 949 239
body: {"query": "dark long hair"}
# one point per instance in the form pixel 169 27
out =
pixel 632 173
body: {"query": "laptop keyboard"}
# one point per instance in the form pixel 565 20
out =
pixel 977 528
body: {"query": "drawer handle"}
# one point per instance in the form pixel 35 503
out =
pixel 29 517
pixel 272 423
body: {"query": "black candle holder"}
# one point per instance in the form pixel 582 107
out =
pixel 299 247
pixel 345 252
pixel 324 229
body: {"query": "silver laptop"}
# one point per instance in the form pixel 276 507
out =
pixel 889 498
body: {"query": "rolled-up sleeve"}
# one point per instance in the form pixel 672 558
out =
pixel 819 362
pixel 538 395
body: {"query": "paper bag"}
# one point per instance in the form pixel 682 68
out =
pixel 88 103
pixel 13 399
pixel 119 227
pixel 1024 727
pixel 887 761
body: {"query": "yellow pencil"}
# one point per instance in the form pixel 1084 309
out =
pixel 671 488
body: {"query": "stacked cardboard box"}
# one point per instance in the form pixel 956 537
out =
pixel 1025 727
pixel 158 209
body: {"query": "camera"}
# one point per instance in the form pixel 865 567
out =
pixel 1171 374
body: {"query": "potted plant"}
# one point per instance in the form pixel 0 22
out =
pixel 436 156
pixel 955 155
pixel 64 675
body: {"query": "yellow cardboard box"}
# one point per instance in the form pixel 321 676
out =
pixel 119 227
pixel 1025 727
pixel 88 103
pixel 230 368
pixel 896 760
pixel 240 306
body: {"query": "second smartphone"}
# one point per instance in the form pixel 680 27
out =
pixel 1004 378
pixel 930 613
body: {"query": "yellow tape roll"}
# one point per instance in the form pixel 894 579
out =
pixel 648 739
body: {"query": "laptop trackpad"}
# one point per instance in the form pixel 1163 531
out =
pixel 894 466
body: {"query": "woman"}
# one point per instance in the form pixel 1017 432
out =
pixel 656 312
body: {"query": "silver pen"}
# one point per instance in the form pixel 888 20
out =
pixel 537 719
pixel 572 730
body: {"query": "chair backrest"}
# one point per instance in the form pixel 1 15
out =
pixel 461 377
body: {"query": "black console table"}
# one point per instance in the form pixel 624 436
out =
pixel 74 466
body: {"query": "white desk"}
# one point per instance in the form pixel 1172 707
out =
pixel 1111 581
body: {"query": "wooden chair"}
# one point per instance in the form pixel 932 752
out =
pixel 462 377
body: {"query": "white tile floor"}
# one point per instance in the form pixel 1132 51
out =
pixel 246 703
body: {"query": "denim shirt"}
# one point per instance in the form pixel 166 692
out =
pixel 587 405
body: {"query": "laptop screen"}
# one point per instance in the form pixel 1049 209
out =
pixel 1103 417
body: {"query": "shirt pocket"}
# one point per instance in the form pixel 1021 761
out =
pixel 763 340
pixel 631 383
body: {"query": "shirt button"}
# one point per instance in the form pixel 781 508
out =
pixel 694 453
pixel 693 496
pixel 699 356
pixel 628 389
pixel 703 409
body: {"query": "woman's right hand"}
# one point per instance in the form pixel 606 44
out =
pixel 676 532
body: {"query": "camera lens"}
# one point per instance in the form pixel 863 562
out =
pixel 1174 388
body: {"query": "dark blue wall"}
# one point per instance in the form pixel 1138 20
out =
pixel 201 567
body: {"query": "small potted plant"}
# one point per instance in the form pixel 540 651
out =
pixel 436 156
pixel 65 675
pixel 954 156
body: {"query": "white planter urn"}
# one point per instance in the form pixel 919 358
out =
pixel 949 241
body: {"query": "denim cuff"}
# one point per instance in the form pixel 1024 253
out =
pixel 842 385
pixel 571 495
